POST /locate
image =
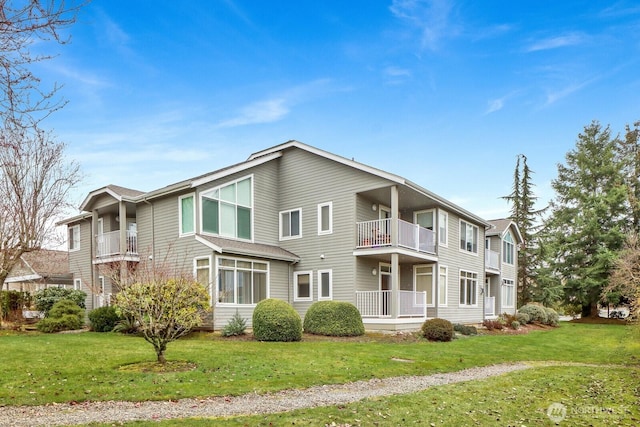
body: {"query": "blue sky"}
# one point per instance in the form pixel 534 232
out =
pixel 444 93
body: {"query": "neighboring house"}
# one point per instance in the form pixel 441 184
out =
pixel 40 269
pixel 296 223
pixel 501 267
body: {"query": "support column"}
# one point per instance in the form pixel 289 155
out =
pixel 94 286
pixel 122 213
pixel 395 263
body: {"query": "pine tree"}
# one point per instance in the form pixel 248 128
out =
pixel 585 230
pixel 628 154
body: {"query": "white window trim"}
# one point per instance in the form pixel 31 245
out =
pixel 433 284
pixel 77 284
pixel 218 187
pixel 506 285
pixel 433 217
pixel 298 236
pixel 320 273
pixel 446 285
pixel 320 230
pixel 72 231
pixel 295 285
pixel 464 251
pixel 444 244
pixel 512 244
pixel 477 290
pixel 186 196
pixel 214 280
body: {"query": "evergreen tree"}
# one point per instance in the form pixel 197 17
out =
pixel 526 217
pixel 628 154
pixel 585 229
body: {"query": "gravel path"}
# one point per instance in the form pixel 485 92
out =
pixel 249 404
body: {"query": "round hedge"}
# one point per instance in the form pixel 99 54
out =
pixel 64 315
pixel 437 330
pixel 276 320
pixel 536 313
pixel 334 319
pixel 103 319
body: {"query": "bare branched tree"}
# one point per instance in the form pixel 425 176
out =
pixel 22 23
pixel 625 277
pixel 35 181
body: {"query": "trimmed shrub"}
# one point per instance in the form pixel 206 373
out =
pixel 523 318
pixel 437 330
pixel 552 316
pixel 46 298
pixel 64 315
pixel 276 320
pixel 536 313
pixel 333 318
pixel 103 319
pixel 515 325
pixel 465 329
pixel 236 326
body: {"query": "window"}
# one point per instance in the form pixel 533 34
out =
pixel 77 284
pixel 202 271
pixel 325 284
pixel 443 228
pixel 442 286
pixel 508 249
pixel 468 237
pixel 423 281
pixel 227 210
pixel 302 286
pixel 325 218
pixel 187 214
pixel 290 224
pixel 468 288
pixel 242 281
pixel 74 238
pixel 424 219
pixel 508 293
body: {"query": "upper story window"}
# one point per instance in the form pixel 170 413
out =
pixel 468 237
pixel 325 218
pixel 291 224
pixel 74 238
pixel 508 249
pixel 227 210
pixel 443 228
pixel 187 214
pixel 425 219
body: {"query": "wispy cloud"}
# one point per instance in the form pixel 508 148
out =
pixel 555 96
pixel 396 75
pixel 564 40
pixel 497 104
pixel 277 107
pixel 430 17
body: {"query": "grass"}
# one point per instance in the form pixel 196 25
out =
pixel 39 369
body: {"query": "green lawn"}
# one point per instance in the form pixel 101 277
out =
pixel 37 369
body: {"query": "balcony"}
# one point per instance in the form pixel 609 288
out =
pixel 108 244
pixel 377 233
pixel 491 259
pixel 377 304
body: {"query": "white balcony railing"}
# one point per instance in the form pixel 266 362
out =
pixel 108 244
pixel 491 259
pixel 378 303
pixel 377 233
pixel 490 306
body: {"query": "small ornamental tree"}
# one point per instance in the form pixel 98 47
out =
pixel 164 309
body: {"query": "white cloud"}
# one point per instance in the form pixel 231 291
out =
pixel 571 39
pixel 430 17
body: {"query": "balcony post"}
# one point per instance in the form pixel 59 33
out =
pixel 395 264
pixel 122 212
pixel 95 274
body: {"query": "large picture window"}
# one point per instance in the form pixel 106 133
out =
pixel 242 281
pixel 291 224
pixel 468 288
pixel 508 249
pixel 468 237
pixel 227 210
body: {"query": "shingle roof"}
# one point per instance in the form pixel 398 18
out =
pixel 47 262
pixel 251 249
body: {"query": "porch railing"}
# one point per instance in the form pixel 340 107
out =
pixel 377 233
pixel 108 244
pixel 490 306
pixel 378 303
pixel 491 259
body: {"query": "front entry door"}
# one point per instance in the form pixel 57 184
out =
pixel 385 289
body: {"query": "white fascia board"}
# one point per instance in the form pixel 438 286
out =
pixel 209 244
pixel 234 169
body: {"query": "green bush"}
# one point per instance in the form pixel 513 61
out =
pixel 465 329
pixel 333 318
pixel 552 316
pixel 46 298
pixel 437 330
pixel 523 318
pixel 64 315
pixel 236 326
pixel 536 313
pixel 12 303
pixel 515 325
pixel 276 320
pixel 103 319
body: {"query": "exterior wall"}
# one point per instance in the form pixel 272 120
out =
pixel 80 261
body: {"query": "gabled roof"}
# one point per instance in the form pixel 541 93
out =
pixel 115 191
pixel 237 247
pixel 42 264
pixel 500 227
